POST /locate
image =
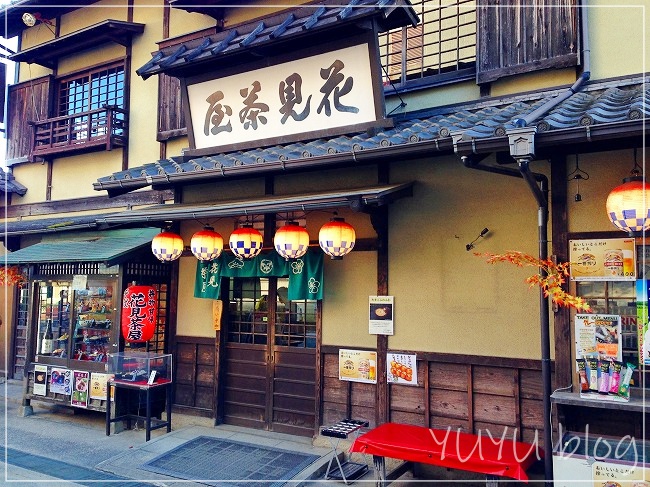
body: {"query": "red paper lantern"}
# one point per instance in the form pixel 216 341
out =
pixel 139 313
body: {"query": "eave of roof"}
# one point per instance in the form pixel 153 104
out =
pixel 356 198
pixel 295 27
pixel 11 15
pixel 603 111
pixel 47 53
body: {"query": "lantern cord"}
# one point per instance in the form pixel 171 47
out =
pixel 636 170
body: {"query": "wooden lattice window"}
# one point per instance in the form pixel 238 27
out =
pixel 91 90
pixel 443 42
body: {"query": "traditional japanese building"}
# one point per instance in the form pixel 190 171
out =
pixel 436 132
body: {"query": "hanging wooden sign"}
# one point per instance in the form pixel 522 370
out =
pixel 139 308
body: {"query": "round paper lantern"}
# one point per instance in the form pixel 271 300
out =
pixel 291 241
pixel 206 244
pixel 167 246
pixel 627 206
pixel 337 238
pixel 246 242
pixel 139 313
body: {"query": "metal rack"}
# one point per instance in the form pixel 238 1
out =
pixel 346 471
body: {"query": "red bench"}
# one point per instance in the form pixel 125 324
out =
pixel 494 457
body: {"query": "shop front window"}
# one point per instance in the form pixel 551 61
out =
pixel 94 320
pixel 53 318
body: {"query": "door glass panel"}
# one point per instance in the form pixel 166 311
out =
pixel 248 311
pixel 53 318
pixel 295 321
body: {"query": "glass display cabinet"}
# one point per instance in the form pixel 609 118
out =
pixel 94 319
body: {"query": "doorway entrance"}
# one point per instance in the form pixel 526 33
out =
pixel 270 358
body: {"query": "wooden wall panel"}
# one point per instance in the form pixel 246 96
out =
pixel 494 409
pixel 449 404
pixel 194 375
pixel 448 376
pixel 494 380
pixel 466 393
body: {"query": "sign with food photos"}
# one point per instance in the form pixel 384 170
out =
pixel 80 385
pixel 358 366
pixel 402 369
pixel 40 380
pixel 606 259
pixel 381 315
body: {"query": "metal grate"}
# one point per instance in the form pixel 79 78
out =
pixel 443 42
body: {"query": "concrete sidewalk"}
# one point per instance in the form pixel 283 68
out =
pixel 124 467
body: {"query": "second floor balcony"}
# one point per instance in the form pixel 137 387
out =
pixel 100 129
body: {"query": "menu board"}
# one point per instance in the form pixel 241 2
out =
pixel 598 336
pixel 608 259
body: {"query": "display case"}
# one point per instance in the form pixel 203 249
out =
pixel 95 316
pixel 140 367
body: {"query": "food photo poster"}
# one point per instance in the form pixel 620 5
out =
pixel 80 380
pixel 40 380
pixel 381 315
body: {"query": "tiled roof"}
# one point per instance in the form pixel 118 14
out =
pixel 597 105
pixel 289 26
pixel 8 184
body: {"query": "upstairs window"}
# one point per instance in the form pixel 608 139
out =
pixel 443 44
pixel 91 92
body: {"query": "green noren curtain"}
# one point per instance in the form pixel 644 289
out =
pixel 305 273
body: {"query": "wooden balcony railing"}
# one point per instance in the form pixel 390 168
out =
pixel 99 129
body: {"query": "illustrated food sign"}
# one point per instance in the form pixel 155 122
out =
pixel 611 259
pixel 381 315
pixel 311 94
pixel 402 369
pixel 139 308
pixel 358 366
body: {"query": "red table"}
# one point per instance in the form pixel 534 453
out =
pixel 446 448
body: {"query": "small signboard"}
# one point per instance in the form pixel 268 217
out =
pixel 99 384
pixel 402 369
pixel 358 366
pixel 608 259
pixel 40 380
pixel 598 335
pixel 80 385
pixel 61 381
pixel 381 315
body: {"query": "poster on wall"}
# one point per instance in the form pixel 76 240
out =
pixel 80 380
pixel 643 327
pixel 99 385
pixel 358 366
pixel 631 474
pixel 61 381
pixel 598 335
pixel 381 315
pixel 40 380
pixel 402 369
pixel 606 259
